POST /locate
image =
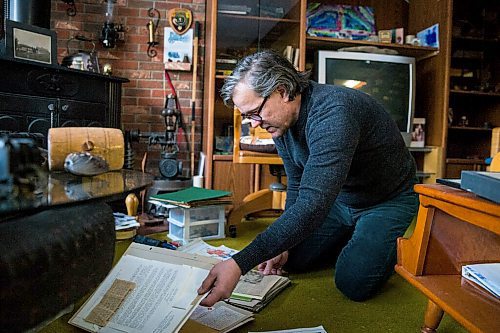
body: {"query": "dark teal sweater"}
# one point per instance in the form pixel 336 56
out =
pixel 344 146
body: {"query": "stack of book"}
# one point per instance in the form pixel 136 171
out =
pixel 254 290
pixel 194 197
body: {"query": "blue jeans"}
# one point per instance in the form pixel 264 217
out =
pixel 361 243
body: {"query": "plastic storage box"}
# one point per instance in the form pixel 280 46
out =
pixel 206 222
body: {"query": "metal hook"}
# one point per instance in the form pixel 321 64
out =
pixel 71 10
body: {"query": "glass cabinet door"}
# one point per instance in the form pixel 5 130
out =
pixel 245 27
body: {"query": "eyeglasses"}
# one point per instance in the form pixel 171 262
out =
pixel 255 115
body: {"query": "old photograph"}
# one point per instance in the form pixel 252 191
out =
pixel 32 46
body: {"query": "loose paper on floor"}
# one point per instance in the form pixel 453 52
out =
pixel 221 317
pixel 200 247
pixel 318 329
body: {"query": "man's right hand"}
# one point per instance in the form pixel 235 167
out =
pixel 221 281
pixel 275 265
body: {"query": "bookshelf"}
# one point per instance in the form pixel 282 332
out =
pixel 474 95
pixel 251 32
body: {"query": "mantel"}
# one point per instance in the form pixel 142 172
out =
pixel 4 61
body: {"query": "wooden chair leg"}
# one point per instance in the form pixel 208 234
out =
pixel 433 316
pixel 254 202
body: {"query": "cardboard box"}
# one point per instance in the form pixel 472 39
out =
pixel 385 36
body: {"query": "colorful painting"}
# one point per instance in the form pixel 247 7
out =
pixel 429 36
pixel 340 21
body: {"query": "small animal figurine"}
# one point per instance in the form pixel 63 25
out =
pixel 85 164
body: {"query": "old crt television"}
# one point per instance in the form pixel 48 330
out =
pixel 390 79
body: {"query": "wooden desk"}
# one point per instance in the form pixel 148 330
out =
pixel 454 228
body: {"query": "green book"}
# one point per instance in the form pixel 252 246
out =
pixel 194 196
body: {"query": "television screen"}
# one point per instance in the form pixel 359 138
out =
pixel 389 79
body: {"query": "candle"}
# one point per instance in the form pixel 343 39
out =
pixel 150 29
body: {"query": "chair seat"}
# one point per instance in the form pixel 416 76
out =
pixel 256 144
pixel 251 157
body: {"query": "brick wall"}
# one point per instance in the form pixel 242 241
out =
pixel 143 97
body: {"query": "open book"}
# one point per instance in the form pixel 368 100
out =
pixel 153 289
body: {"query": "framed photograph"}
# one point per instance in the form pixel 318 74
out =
pixel 30 43
pixel 418 133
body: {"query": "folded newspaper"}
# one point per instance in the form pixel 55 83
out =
pixel 486 276
pixel 254 290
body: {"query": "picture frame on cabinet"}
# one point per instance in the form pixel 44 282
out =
pixel 29 43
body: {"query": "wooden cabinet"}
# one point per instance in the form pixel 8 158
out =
pixel 453 228
pixel 234 29
pixel 238 35
pixel 432 70
pixel 474 95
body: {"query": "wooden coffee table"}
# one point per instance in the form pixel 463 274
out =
pixel 454 228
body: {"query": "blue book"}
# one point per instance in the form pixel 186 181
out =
pixel 482 183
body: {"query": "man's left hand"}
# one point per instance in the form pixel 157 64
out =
pixel 275 265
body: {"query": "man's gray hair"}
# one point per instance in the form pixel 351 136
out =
pixel 264 72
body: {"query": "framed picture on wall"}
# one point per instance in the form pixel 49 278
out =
pixel 30 43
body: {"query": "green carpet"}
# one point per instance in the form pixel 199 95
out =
pixel 312 300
